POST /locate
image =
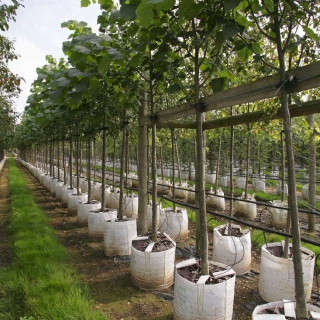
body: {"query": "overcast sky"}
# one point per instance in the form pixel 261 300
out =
pixel 37 33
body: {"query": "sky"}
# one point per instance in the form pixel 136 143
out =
pixel 37 32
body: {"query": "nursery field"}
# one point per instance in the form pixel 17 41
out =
pixel 108 279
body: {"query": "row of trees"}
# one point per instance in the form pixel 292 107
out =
pixel 158 54
pixel 9 82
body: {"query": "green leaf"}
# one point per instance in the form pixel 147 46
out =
pixel 244 54
pixel 128 12
pixel 218 84
pixel 219 40
pixel 75 98
pixel 229 30
pixel 62 82
pixel 104 64
pixel 95 83
pixel 154 1
pixel 81 86
pixel 231 4
pixel 136 60
pixel 82 49
pixel 55 95
pixel 165 5
pixel 74 73
pixel 173 88
pixel 311 34
pixel 145 14
pixel 188 9
pixel 156 32
pixel 85 3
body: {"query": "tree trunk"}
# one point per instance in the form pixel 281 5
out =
pixel 312 174
pixel 70 162
pixel 173 170
pixel 301 306
pixel 200 165
pixel 143 170
pixel 122 165
pixel 103 187
pixel 231 176
pixel 218 164
pixel 89 167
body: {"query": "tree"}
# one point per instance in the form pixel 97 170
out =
pixel 287 28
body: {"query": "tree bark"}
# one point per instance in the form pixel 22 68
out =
pixel 143 170
pixel 312 174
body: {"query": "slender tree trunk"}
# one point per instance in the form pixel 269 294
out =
pixel 114 165
pixel 143 169
pixel 200 166
pixel 122 165
pixel 218 164
pixel 103 187
pixel 301 306
pixel 247 166
pixel 70 162
pixel 89 167
pixel 231 176
pixel 64 163
pixel 178 158
pixel 154 165
pixel 312 174
pixel 173 171
pixel 77 161
pixel 282 189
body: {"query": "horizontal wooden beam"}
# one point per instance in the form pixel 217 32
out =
pixel 303 78
pixel 310 107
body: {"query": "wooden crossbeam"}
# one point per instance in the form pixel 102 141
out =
pixel 310 107
pixel 303 78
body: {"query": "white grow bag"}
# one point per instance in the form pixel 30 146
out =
pixel 118 236
pixel 73 201
pixel 130 206
pixel 279 188
pixel 240 182
pixel 112 199
pixel 305 192
pixel 278 215
pixel 258 185
pixel 232 251
pixel 83 211
pixel 260 313
pixel 152 270
pixel 163 187
pixel 246 209
pixel 216 201
pixel 276 279
pixel 65 195
pixel 191 195
pixel 194 301
pixel 211 178
pixel 175 224
pixel 179 192
pixel 96 220
pixel 223 181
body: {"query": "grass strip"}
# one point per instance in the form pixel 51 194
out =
pixel 40 283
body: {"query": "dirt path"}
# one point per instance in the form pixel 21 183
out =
pixel 4 212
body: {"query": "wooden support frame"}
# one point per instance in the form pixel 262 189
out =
pixel 303 78
pixel 310 107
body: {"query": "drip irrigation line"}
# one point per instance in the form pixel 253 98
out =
pixel 242 222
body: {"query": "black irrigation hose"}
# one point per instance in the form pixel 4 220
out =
pixel 243 222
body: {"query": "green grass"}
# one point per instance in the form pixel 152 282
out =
pixel 40 283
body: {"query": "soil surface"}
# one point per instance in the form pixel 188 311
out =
pixel 108 279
